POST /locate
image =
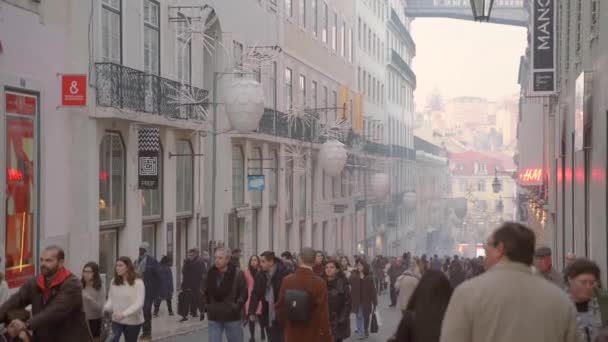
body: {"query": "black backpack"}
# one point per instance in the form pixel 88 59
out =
pixel 298 305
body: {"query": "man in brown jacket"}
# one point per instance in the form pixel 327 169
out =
pixel 316 329
pixel 56 299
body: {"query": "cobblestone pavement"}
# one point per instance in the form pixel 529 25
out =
pixel 389 319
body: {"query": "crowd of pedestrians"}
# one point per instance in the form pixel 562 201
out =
pixel 512 294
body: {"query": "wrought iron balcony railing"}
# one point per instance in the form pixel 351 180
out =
pixel 403 67
pixel 403 31
pixel 126 88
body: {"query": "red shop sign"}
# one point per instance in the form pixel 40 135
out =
pixel 73 90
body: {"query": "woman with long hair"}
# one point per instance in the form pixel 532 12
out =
pixel 339 298
pixel 93 297
pixel 319 267
pixel 423 316
pixel 253 267
pixel 345 266
pixel 363 296
pixel 126 301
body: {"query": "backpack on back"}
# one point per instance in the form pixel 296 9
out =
pixel 298 305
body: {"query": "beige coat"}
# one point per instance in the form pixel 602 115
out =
pixel 406 284
pixel 506 304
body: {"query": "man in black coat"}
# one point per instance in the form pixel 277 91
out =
pixel 267 284
pixel 149 269
pixel 397 268
pixel 193 273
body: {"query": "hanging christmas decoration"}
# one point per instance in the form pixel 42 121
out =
pixel 332 157
pixel 245 104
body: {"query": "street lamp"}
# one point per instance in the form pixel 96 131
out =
pixel 500 207
pixel 482 9
pixel 496 185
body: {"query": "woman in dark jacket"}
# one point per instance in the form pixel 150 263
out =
pixel 423 316
pixel 338 291
pixel 166 286
pixel 363 296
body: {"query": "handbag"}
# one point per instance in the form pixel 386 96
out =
pixel 374 323
pixel 183 303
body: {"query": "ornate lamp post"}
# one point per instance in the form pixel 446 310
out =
pixel 496 184
pixel 482 9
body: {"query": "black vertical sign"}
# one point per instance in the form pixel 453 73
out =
pixel 543 47
pixel 148 154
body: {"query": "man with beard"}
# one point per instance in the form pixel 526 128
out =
pixel 266 289
pixel 224 296
pixel 56 300
pixel 149 269
pixel 193 272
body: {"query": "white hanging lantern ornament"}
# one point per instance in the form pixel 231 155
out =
pixel 332 157
pixel 380 185
pixel 245 104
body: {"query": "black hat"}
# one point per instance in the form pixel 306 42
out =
pixel 542 252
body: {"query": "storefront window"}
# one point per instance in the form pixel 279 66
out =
pixel 238 176
pixel 184 178
pixel 21 112
pixel 149 235
pixel 111 180
pixel 108 253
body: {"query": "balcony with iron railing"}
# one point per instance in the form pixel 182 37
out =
pixel 403 31
pixel 122 87
pixel 403 67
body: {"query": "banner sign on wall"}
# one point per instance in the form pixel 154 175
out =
pixel 148 154
pixel 544 48
pixel 73 90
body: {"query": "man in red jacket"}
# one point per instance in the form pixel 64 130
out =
pixel 317 328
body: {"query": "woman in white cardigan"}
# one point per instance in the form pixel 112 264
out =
pixel 126 301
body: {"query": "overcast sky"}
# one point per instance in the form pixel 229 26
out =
pixel 462 58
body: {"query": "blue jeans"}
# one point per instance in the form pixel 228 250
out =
pixel 362 322
pixel 131 332
pixel 234 331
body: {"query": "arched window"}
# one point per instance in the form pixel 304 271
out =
pixel 184 178
pixel 111 180
pixel 256 169
pixel 238 176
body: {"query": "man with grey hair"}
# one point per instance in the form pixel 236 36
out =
pixel 316 327
pixel 224 296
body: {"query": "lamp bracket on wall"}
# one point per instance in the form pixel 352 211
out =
pixel 185 155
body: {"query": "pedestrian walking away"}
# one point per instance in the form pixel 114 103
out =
pixel 93 298
pixel 406 284
pixel 423 315
pixel 148 268
pixel 165 292
pixel 583 276
pixel 303 307
pixel 363 296
pixel 517 305
pixel 267 284
pixel 194 272
pixel 339 300
pixel 55 296
pixel 224 297
pixel 126 301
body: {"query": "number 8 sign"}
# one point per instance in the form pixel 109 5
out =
pixel 73 90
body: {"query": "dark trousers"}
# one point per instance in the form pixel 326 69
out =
pixel 275 333
pixel 195 302
pixel 131 332
pixel 263 329
pixel 393 293
pixel 147 327
pixel 159 301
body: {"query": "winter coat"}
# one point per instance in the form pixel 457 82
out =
pixel 228 308
pixel 339 299
pixel 395 271
pixel 456 274
pixel 58 318
pixel 151 277
pixel 193 273
pixel 258 294
pixel 406 284
pixel 166 282
pixel 316 329
pixel 363 292
pixel 319 269
pixel 508 303
pixel 250 283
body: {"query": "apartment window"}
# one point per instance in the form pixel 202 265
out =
pixel 313 90
pixel 184 53
pixel 271 86
pixel 334 32
pixel 289 8
pixel 481 186
pixel 325 101
pixel 289 189
pixel 595 10
pixel 272 179
pixel 302 91
pixel 184 178
pixel 303 13
pixel 112 180
pixel 325 21
pixel 363 88
pixel 364 37
pixel 359 31
pixel 302 194
pixel 288 89
pixel 351 45
pixel 343 40
pixel 335 105
pixel 238 176
pixel 315 17
pixel 237 52
pixel 151 37
pixel 111 31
